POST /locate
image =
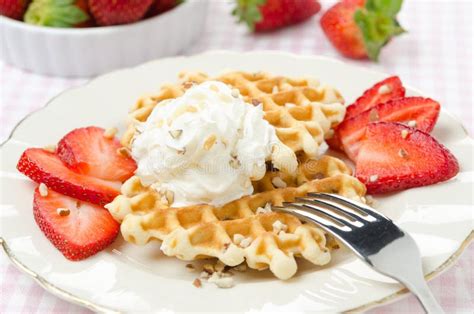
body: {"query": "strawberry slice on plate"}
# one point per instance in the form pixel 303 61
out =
pixel 45 167
pixel 77 229
pixel 383 91
pixel 396 157
pixel 90 151
pixel 418 112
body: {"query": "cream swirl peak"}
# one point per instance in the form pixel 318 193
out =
pixel 206 146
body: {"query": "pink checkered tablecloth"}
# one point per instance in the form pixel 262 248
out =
pixel 435 56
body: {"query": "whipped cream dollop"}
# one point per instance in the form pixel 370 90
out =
pixel 207 146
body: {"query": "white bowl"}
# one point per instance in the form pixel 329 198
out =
pixel 80 52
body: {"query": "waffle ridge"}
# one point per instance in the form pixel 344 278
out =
pixel 203 231
pixel 303 111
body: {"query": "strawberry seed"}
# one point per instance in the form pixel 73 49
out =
pixel 63 211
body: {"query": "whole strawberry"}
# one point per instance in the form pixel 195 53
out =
pixel 13 8
pixel 267 15
pixel 107 12
pixel 58 13
pixel 359 29
pixel 160 6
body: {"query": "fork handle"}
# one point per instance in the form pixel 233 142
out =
pixel 423 293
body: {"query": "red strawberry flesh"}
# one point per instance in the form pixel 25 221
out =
pixel 383 91
pixel 89 152
pixel 86 230
pixel 45 167
pixel 388 89
pixel 421 112
pixel 268 15
pixel 116 12
pixel 13 8
pixel 342 31
pixel 396 157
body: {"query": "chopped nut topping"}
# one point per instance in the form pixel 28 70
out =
pixel 402 153
pixel 234 163
pixel 50 148
pixel 214 88
pixel 124 151
pixel 190 267
pixel 110 133
pixel 256 102
pixel 411 123
pixel 373 178
pixel 235 93
pixel 208 268
pixel 188 84
pixel 197 283
pixel 404 134
pixel 242 241
pixel 221 282
pixel 279 226
pixel 169 197
pixel 63 211
pixel 238 238
pixel 384 89
pixel 374 115
pixel 245 242
pixel 175 133
pixel 371 201
pixel 278 183
pixel 264 210
pixel 210 141
pixel 275 89
pixel 43 189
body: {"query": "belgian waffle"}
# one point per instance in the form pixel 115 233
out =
pixel 243 230
pixel 303 111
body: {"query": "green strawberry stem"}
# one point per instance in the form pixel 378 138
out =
pixel 248 11
pixel 55 13
pixel 378 24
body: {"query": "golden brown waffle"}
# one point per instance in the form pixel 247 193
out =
pixel 237 231
pixel 303 111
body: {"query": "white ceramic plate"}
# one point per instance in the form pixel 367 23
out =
pixel 129 278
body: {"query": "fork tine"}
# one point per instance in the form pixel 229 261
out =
pixel 349 203
pixel 310 217
pixel 324 205
pixel 325 214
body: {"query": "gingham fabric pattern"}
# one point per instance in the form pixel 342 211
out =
pixel 435 56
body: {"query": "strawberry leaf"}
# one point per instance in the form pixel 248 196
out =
pixel 55 13
pixel 387 7
pixel 378 24
pixel 248 11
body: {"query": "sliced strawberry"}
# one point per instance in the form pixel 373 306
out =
pixel 88 151
pixel 388 89
pixel 44 167
pixel 396 157
pixel 78 229
pixel 419 112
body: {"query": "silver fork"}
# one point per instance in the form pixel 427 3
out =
pixel 374 238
